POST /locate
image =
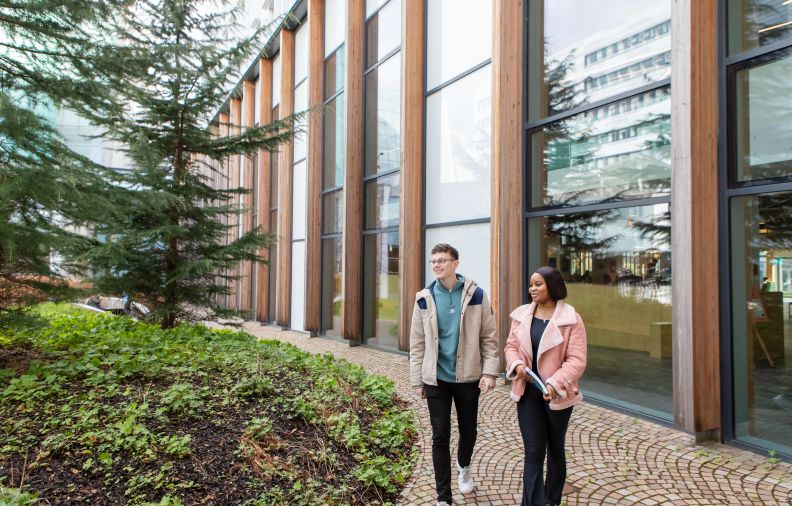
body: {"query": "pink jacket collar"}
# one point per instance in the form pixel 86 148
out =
pixel 564 314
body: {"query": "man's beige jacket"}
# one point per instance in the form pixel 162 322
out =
pixel 477 352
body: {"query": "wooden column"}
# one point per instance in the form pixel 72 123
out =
pixel 313 229
pixel 285 178
pixel 694 216
pixel 412 154
pixel 234 173
pixel 264 204
pixel 507 162
pixel 248 118
pixel 223 181
pixel 351 326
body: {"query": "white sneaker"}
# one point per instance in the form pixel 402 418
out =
pixel 465 479
pixel 442 503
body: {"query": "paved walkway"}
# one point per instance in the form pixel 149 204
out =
pixel 612 458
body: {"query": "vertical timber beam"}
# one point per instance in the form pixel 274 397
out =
pixel 264 160
pixel 507 161
pixel 235 129
pixel 223 182
pixel 313 230
pixel 694 216
pixel 353 175
pixel 412 155
pixel 285 180
pixel 248 117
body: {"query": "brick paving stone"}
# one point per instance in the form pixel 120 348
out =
pixel 612 458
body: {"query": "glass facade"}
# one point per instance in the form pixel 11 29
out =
pixel 381 176
pixel 617 266
pixel 759 202
pixel 332 285
pixel 761 272
pixel 598 138
pixel 580 52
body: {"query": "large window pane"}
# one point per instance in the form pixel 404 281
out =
pixel 332 283
pixel 382 202
pixel 382 130
pixel 761 241
pixel 274 170
pixel 372 5
pixel 298 286
pixel 333 153
pixel 272 266
pixel 300 105
pixel 617 265
pixel 755 23
pixel 383 32
pixel 764 120
pixel 582 52
pixel 298 201
pixel 619 151
pixel 335 24
pixel 301 52
pixel 381 290
pixel 335 67
pixel 333 212
pixel 459 37
pixel 458 147
pixel 472 242
pixel 276 80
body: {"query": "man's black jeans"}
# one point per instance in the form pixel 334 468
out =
pixel 465 397
pixel 542 429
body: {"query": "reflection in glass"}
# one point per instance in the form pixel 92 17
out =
pixel 383 117
pixel 272 263
pixel 764 120
pixel 761 241
pixel 619 151
pixel 382 202
pixel 580 52
pixel 381 289
pixel 617 265
pixel 756 23
pixel 301 53
pixel 333 212
pixel 458 147
pixel 372 5
pixel 332 287
pixel 335 24
pixel 274 170
pixel 383 32
pixel 335 66
pixel 301 136
pixel 458 37
pixel 473 242
pixel 333 153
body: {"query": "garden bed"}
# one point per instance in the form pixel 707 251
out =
pixel 96 409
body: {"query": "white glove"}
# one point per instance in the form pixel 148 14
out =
pixel 486 383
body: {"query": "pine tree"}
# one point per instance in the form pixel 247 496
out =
pixel 49 57
pixel 168 246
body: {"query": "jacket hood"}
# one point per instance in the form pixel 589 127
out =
pixel 427 292
pixel 564 314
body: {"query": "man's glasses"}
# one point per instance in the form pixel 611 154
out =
pixel 441 261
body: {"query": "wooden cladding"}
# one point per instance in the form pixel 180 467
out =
pixel 351 327
pixel 694 216
pixel 412 155
pixel 507 162
pixel 285 180
pixel 264 183
pixel 313 231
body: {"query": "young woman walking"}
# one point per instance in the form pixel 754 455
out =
pixel 548 338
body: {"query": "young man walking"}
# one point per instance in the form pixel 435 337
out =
pixel 453 358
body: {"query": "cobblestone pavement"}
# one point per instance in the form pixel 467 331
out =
pixel 612 458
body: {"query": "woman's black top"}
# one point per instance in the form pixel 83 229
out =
pixel 537 329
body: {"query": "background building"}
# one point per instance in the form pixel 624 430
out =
pixel 642 147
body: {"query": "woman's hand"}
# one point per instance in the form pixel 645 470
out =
pixel 521 374
pixel 551 393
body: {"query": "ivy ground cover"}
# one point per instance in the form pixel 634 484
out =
pixel 97 409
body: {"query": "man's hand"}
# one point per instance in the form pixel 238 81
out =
pixel 419 391
pixel 486 383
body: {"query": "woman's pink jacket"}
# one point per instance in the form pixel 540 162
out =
pixel 562 352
